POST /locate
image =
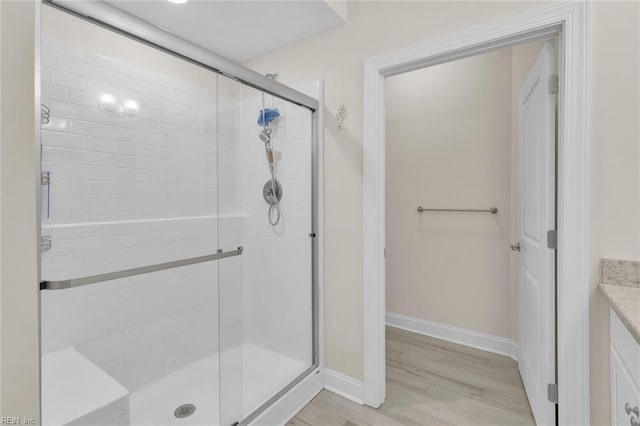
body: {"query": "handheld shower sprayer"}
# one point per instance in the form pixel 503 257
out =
pixel 272 190
pixel 265 135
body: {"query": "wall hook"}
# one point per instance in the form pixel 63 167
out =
pixel 341 116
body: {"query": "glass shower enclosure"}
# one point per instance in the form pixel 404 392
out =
pixel 177 221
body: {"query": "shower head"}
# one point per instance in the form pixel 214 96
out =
pixel 265 135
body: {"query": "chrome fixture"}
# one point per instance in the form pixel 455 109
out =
pixel 76 282
pixel 342 115
pixel 129 25
pixel 515 247
pixel 272 189
pixel 269 189
pixel 45 114
pixel 45 243
pixel 185 410
pixel 492 210
pixel 45 180
pixel 265 135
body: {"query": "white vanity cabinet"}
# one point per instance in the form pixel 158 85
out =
pixel 625 375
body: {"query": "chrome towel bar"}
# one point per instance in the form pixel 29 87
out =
pixel 76 282
pixel 492 210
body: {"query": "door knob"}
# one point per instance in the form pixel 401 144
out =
pixel 515 247
pixel 629 410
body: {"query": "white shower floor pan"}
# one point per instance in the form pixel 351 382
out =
pixel 264 373
pixel 78 393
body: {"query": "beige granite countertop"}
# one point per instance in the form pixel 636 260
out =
pixel 625 301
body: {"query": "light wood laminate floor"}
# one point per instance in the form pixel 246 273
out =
pixel 432 382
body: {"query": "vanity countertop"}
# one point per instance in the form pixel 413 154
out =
pixel 625 302
pixel 621 287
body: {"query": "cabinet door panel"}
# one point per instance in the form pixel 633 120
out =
pixel 623 392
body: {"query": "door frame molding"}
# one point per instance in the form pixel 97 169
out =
pixel 568 21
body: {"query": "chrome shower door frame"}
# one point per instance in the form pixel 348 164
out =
pixel 116 20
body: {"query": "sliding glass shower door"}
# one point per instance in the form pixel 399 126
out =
pixel 177 223
pixel 266 295
pixel 129 306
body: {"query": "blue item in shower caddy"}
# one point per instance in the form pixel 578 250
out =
pixel 267 115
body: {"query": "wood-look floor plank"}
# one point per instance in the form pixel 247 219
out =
pixel 358 414
pixel 464 365
pixel 315 415
pixel 392 353
pixel 419 340
pixel 296 421
pixel 482 413
pixel 410 415
pixel 432 382
pixel 465 375
pixel 459 353
pixel 516 401
pixel 420 379
pixel 422 403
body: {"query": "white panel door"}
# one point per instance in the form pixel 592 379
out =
pixel 536 213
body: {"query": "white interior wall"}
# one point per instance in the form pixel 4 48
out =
pixel 448 145
pixel 615 175
pixel 19 346
pixel 1 101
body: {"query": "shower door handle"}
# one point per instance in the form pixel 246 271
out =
pixel 76 282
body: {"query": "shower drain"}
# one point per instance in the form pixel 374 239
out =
pixel 185 410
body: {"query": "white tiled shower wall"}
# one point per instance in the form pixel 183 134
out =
pixel 129 191
pixel 276 274
pixel 180 179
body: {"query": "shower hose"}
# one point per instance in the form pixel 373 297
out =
pixel 274 205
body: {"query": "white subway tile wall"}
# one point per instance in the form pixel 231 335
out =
pixel 127 191
pixel 182 177
pixel 277 296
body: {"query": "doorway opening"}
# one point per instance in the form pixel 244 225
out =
pixel 470 196
pixel 566 22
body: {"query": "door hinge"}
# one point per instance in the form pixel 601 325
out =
pixel 552 85
pixel 552 393
pixel 384 252
pixel 552 239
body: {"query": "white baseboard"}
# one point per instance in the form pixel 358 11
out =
pixel 514 351
pixel 474 339
pixel 343 385
pixel 292 402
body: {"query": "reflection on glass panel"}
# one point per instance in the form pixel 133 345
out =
pixel 150 159
pixel 131 148
pixel 269 338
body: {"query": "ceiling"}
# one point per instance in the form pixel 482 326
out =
pixel 237 30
